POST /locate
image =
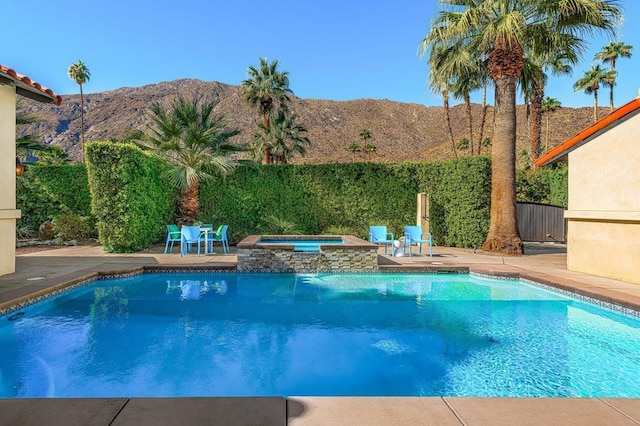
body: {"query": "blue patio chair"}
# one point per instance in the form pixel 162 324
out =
pixel 190 235
pixel 379 235
pixel 221 237
pixel 414 235
pixel 173 235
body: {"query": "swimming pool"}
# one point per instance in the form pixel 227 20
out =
pixel 229 334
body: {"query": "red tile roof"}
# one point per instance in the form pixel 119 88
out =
pixel 29 88
pixel 584 136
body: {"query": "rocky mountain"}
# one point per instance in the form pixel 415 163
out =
pixel 400 131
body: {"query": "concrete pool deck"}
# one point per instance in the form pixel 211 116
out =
pixel 39 272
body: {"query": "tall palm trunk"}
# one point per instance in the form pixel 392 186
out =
pixel 190 204
pixel 483 117
pixel 611 97
pixel 447 116
pixel 505 66
pixel 546 142
pixel 467 102
pixel 535 123
pixel 266 152
pixel 595 105
pixel 503 236
pixel 81 115
pixel 613 68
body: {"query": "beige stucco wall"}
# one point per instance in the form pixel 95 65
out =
pixel 603 232
pixel 8 212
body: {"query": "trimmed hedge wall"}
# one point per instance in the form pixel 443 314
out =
pixel 347 198
pixel 131 199
pixel 46 192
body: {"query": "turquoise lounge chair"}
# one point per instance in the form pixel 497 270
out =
pixel 414 235
pixel 190 235
pixel 379 235
pixel 173 235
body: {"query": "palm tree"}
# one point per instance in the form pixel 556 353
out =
pixel 549 105
pixel 464 72
pixel 365 135
pixel 354 148
pixel 369 149
pixel 26 144
pixel 506 30
pixel 80 74
pixel 591 82
pixel 440 82
pixel 610 53
pixel 265 89
pixel 284 136
pixel 533 81
pixel 190 138
pixel 53 155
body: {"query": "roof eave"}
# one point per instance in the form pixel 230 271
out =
pixel 560 152
pixel 36 93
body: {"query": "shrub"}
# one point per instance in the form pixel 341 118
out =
pixel 47 191
pixel 46 231
pixel 71 227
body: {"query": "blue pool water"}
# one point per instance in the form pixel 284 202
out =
pixel 302 245
pixel 229 334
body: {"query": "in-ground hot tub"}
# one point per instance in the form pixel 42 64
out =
pixel 304 253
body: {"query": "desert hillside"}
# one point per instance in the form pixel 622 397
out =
pixel 400 131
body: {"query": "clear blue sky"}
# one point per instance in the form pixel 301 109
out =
pixel 333 49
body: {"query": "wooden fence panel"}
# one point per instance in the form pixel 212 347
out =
pixel 541 222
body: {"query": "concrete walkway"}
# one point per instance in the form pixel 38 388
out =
pixel 38 273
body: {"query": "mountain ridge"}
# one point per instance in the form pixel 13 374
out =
pixel 400 131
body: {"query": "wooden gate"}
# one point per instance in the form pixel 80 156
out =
pixel 541 222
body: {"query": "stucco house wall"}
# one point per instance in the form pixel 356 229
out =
pixel 11 85
pixel 604 204
pixel 603 215
pixel 8 212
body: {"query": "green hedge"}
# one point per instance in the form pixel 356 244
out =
pixel 46 192
pixel 132 201
pixel 548 185
pixel 348 198
pixel 131 198
pixel 460 196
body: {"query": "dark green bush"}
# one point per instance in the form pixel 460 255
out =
pixel 547 185
pixel 48 191
pixel 131 197
pixel 559 186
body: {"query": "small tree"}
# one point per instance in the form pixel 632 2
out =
pixel 369 149
pixel 354 148
pixel 365 135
